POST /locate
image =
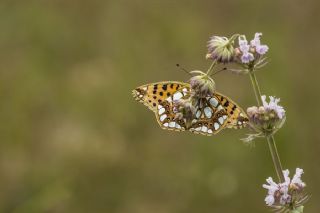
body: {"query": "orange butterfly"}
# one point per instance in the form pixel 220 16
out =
pixel 212 114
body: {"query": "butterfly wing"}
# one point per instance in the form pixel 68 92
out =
pixel 210 116
pixel 237 118
pixel 159 98
pixel 152 94
pixel 213 113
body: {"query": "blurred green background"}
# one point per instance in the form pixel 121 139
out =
pixel 72 138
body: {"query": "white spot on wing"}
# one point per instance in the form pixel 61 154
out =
pixel 225 117
pixel 162 117
pixel 208 112
pixel 185 91
pixel 198 114
pixel 221 120
pixel 172 124
pixel 220 107
pixel 165 124
pixel 159 106
pixel 198 128
pixel 177 96
pixel 161 111
pixel 169 99
pixel 214 102
pixel 209 131
pixel 204 129
pixel 216 126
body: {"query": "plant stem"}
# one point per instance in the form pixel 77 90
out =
pixel 211 67
pixel 275 157
pixel 256 88
pixel 270 139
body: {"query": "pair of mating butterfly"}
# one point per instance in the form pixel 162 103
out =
pixel 212 114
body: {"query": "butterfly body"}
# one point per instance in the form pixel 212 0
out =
pixel 207 115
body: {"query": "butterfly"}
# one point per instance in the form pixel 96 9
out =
pixel 212 113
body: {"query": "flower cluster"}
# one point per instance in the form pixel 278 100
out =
pixel 268 118
pixel 250 52
pixel 223 50
pixel 286 196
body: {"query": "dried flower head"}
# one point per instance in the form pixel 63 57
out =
pixel 287 196
pixel 184 109
pixel 202 85
pixel 221 49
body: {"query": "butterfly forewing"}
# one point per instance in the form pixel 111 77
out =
pixel 152 94
pixel 159 98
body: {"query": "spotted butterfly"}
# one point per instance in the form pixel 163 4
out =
pixel 212 114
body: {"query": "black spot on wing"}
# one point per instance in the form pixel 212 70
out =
pixel 164 87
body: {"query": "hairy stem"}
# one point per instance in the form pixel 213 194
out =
pixel 211 67
pixel 270 139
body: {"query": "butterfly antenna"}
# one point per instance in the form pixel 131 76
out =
pixel 223 69
pixel 183 69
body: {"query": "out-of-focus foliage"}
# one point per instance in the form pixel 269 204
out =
pixel 72 139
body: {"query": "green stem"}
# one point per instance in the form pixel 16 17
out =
pixel 275 157
pixel 256 88
pixel 271 140
pixel 211 67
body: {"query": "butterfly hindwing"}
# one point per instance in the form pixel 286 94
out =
pixel 237 118
pixel 210 117
pixel 167 119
